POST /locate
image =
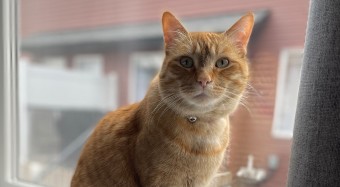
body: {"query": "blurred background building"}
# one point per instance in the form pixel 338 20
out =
pixel 81 59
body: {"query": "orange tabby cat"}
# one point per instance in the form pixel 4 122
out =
pixel 177 135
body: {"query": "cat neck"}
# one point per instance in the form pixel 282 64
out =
pixel 209 133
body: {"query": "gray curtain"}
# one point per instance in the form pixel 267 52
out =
pixel 315 158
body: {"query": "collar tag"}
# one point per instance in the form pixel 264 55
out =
pixel 192 119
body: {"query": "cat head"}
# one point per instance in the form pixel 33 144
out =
pixel 203 71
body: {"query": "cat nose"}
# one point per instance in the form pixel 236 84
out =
pixel 204 81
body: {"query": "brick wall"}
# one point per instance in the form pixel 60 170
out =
pixel 251 128
pixel 49 16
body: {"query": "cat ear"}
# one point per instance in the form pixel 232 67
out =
pixel 240 32
pixel 172 28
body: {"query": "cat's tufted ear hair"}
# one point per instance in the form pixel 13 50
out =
pixel 240 32
pixel 172 28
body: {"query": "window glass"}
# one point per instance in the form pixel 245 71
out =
pixel 287 92
pixel 82 59
pixel 144 67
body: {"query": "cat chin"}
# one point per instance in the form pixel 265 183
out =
pixel 211 104
pixel 202 102
pixel 193 110
pixel 201 105
pixel 198 108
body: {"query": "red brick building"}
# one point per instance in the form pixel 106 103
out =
pixel 128 32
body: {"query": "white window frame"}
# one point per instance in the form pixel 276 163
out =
pixel 9 96
pixel 141 60
pixel 281 89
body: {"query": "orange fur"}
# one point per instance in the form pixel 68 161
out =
pixel 152 143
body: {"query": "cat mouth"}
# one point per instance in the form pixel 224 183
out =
pixel 201 101
pixel 201 96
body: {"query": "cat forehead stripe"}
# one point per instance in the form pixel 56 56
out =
pixel 204 50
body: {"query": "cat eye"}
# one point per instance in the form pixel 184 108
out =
pixel 187 62
pixel 222 63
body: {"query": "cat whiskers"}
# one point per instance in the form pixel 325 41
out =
pixel 251 89
pixel 241 101
pixel 169 98
pixel 230 94
pixel 168 106
pixel 161 102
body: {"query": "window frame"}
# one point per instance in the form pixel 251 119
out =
pixel 9 95
pixel 284 61
pixel 134 65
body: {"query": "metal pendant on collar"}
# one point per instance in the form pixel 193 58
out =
pixel 192 119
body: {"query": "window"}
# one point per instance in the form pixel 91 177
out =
pixel 287 92
pixel 77 61
pixel 8 97
pixel 47 109
pixel 58 109
pixel 144 67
